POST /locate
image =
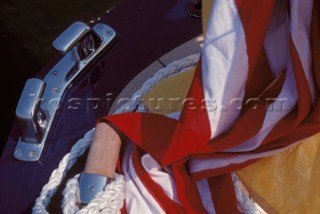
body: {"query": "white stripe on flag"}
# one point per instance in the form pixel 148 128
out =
pixel 301 16
pixel 203 188
pixel 224 64
pixel 137 198
pixel 276 43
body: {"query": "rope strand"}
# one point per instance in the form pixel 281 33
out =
pixel 71 192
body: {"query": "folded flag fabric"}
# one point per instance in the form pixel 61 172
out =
pixel 281 183
pixel 254 94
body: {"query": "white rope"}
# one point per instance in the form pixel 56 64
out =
pixel 58 174
pixel 245 204
pixel 171 69
pixel 110 200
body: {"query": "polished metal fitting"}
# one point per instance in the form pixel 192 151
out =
pixel 90 185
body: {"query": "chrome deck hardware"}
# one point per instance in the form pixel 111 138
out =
pixel 70 37
pixel 27 109
pixel 40 99
pixel 90 185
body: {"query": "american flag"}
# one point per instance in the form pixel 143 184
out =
pixel 255 92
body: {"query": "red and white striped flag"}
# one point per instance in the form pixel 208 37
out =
pixel 255 93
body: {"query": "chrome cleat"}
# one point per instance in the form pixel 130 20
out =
pixel 40 99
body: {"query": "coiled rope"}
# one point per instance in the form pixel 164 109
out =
pixel 110 200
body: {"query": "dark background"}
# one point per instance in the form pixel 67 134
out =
pixel 27 29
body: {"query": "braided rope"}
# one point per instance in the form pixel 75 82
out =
pixel 110 200
pixel 58 174
pixel 175 67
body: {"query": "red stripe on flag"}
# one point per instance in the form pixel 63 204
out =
pixel 315 48
pixel 261 78
pixel 255 16
pixel 193 128
pixel 151 132
pixel 315 39
pixel 187 190
pixel 223 194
